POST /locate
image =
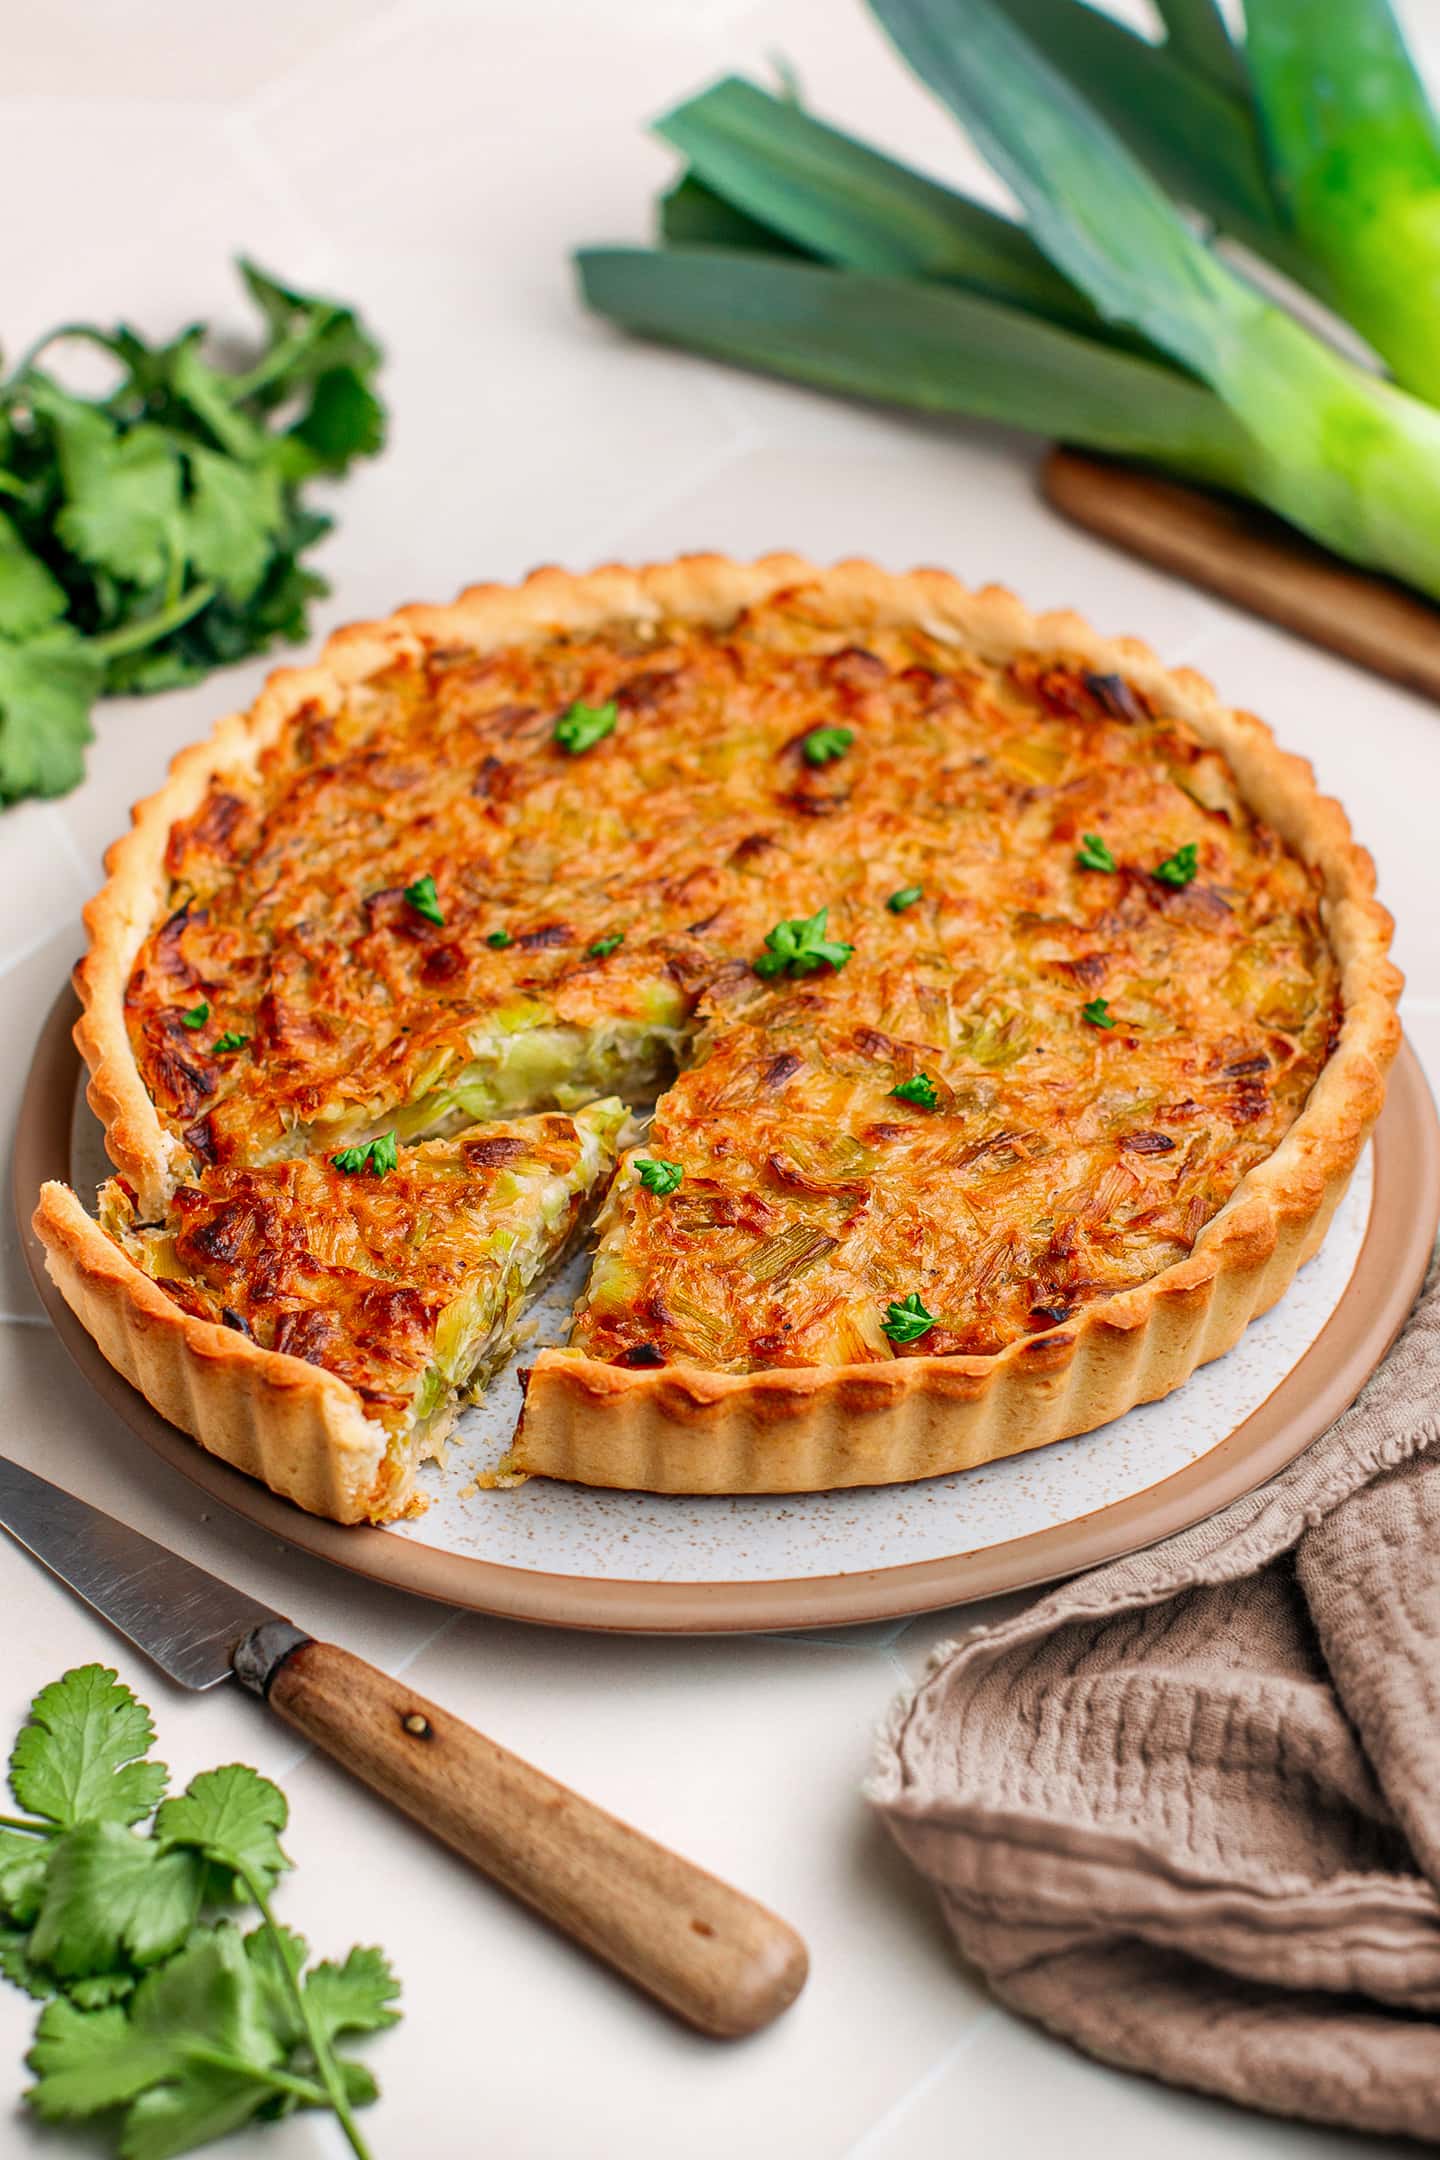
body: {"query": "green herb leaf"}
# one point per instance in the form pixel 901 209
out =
pixel 196 1016
pixel 354 1997
pixel 231 519
pixel 377 1156
pixel 499 939
pixel 906 897
pixel 122 496
pixel 799 946
pixel 1178 869
pixel 423 898
pixel 234 1817
pixel 604 946
pixel 112 1896
pixel 824 744
pixel 657 1175
pixel 227 1044
pixel 919 1090
pixel 79 1756
pixel 908 1320
pixel 1092 854
pixel 30 598
pixel 47 686
pixel 1097 1012
pixel 585 725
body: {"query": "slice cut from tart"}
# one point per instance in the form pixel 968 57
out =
pixel 368 1294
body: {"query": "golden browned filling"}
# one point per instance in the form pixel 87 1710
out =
pixel 493 882
pixel 405 1273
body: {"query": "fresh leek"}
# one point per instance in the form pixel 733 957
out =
pixel 1107 319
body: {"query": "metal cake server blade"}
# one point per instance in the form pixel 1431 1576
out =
pixel 724 1963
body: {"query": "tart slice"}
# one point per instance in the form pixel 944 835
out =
pixel 372 1292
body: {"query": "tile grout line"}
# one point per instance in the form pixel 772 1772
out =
pixel 868 2146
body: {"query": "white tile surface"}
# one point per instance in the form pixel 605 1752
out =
pixel 435 162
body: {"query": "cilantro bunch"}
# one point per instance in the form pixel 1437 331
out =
pixel 174 2025
pixel 153 534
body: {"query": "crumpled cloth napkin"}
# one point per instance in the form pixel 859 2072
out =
pixel 1186 1810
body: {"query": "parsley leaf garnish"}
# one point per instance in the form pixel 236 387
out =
pixel 1178 869
pixel 197 1016
pixel 499 939
pixel 657 1175
pixel 920 1090
pixel 157 531
pixel 177 2023
pixel 585 725
pixel 1092 854
pixel 423 897
pixel 1097 1012
pixel 908 1320
pixel 225 1045
pixel 906 897
pixel 823 744
pixel 377 1156
pixel 799 946
pixel 604 946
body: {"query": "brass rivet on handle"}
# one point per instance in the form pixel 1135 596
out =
pixel 418 1725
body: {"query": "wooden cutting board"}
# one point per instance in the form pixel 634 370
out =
pixel 1249 557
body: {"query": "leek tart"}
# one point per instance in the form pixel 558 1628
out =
pixel 1016 1013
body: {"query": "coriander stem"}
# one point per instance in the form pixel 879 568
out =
pixel 283 2081
pixel 153 627
pixel 23 1822
pixel 320 2046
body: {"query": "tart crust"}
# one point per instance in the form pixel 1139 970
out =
pixel 686 1429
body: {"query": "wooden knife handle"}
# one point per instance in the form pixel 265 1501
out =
pixel 720 1961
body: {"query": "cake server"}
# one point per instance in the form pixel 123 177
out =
pixel 712 1955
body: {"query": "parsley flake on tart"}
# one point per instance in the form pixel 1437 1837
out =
pixel 1052 1108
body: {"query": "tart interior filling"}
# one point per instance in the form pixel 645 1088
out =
pixel 1035 989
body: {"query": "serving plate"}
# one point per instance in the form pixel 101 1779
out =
pixel 649 1563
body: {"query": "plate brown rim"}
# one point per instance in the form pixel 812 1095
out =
pixel 1386 1279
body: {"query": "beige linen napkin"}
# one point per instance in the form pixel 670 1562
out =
pixel 1186 1810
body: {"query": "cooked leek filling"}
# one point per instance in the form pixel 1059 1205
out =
pixel 980 1016
pixel 409 1285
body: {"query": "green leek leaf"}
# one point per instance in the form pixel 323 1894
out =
pixel 1195 33
pixel 928 346
pixel 838 199
pixel 693 215
pixel 1355 160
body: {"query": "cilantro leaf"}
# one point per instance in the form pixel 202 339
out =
pixel 906 897
pixel 345 420
pixel 377 1156
pixel 423 897
pixel 498 940
pixel 227 1044
pixel 657 1175
pixel 920 1090
pixel 1178 869
pixel 231 518
pixel 30 598
pixel 23 1861
pixel 79 1755
pixel 47 686
pixel 234 1817
pixel 1097 1012
pixel 799 946
pixel 604 946
pixel 582 726
pixel 122 496
pixel 908 1320
pixel 824 744
pixel 112 1897
pixel 354 1997
pixel 1093 854
pixel 16 1965
pixel 196 1015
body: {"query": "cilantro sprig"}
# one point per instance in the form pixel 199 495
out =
pixel 158 532
pixel 799 946
pixel 423 897
pixel 906 1319
pixel 173 2025
pixel 379 1157
pixel 1093 854
pixel 1179 869
pixel 582 726
pixel 824 744
pixel 659 1176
